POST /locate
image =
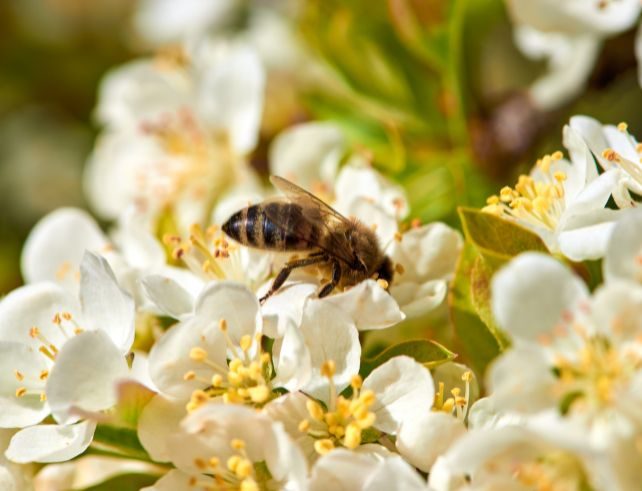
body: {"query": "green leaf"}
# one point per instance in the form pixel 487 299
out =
pixel 125 439
pixel 469 300
pixel 429 353
pixel 497 236
pixel 124 482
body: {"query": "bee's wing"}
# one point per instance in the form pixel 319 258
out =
pixel 317 213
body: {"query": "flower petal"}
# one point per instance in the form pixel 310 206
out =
pixel 586 243
pixel 341 470
pixel 168 295
pixel 420 441
pixel 369 305
pixel 285 308
pixel 160 418
pixel 622 259
pixel 308 154
pixel 330 335
pixel 105 305
pixel 49 255
pixel 176 480
pixel 234 303
pixel 18 412
pixel 230 95
pixel 50 443
pixel 404 391
pixel 394 473
pixel 35 306
pixel 85 375
pixel 531 293
pixel 416 299
pixel 291 358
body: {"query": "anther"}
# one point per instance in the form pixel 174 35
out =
pixel 328 368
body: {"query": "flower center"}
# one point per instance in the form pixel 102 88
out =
pixel 456 405
pixel 207 253
pixel 537 201
pixel 66 324
pixel 555 471
pixel 593 377
pixel 238 473
pixel 343 423
pixel 245 380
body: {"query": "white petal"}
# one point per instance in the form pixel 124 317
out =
pixel 404 391
pixel 169 358
pixel 531 293
pixel 168 295
pixel 230 96
pixel 330 335
pixel 359 181
pixel 50 255
pixel 234 303
pixel 427 253
pixel 586 243
pixel 394 473
pixel 159 419
pixel 341 470
pixel 176 480
pixel 285 308
pixel 624 248
pixel 50 443
pixel 139 91
pixel 290 409
pixel 17 412
pixel 420 441
pixel 105 305
pixel 35 306
pixel 369 305
pixel 292 361
pixel 617 311
pixel 85 375
pixel 308 155
pixel 165 22
pixel 521 379
pixel 136 242
pixel 286 461
pixel 416 299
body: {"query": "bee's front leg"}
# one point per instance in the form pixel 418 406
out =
pixel 314 258
pixel 334 281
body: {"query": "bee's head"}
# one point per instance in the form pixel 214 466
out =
pixel 386 271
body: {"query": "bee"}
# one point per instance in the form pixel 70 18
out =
pixel 300 222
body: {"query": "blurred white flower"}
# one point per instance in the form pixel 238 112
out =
pixel 236 445
pixel 569 35
pixel 563 201
pixel 623 259
pixel 177 130
pixel 13 477
pixel 574 355
pixel 510 458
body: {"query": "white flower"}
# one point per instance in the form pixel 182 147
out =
pixel 616 150
pixel 569 34
pixel 245 449
pixel 574 355
pixel 177 131
pixel 509 458
pixel 13 477
pixel 563 201
pixel 396 392
pixel 60 354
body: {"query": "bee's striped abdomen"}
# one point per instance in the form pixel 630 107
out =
pixel 275 226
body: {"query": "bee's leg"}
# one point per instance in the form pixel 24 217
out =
pixel 287 269
pixel 336 277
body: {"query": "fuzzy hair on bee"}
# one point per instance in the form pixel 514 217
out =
pixel 300 222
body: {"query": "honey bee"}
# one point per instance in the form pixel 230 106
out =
pixel 300 222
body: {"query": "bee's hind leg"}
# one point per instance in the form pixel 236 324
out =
pixel 334 281
pixel 287 269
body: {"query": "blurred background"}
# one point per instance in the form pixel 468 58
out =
pixel 434 92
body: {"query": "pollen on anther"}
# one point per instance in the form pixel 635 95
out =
pixel 19 376
pixel 21 391
pixel 399 269
pixel 622 127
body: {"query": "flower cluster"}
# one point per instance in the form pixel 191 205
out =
pixel 160 348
